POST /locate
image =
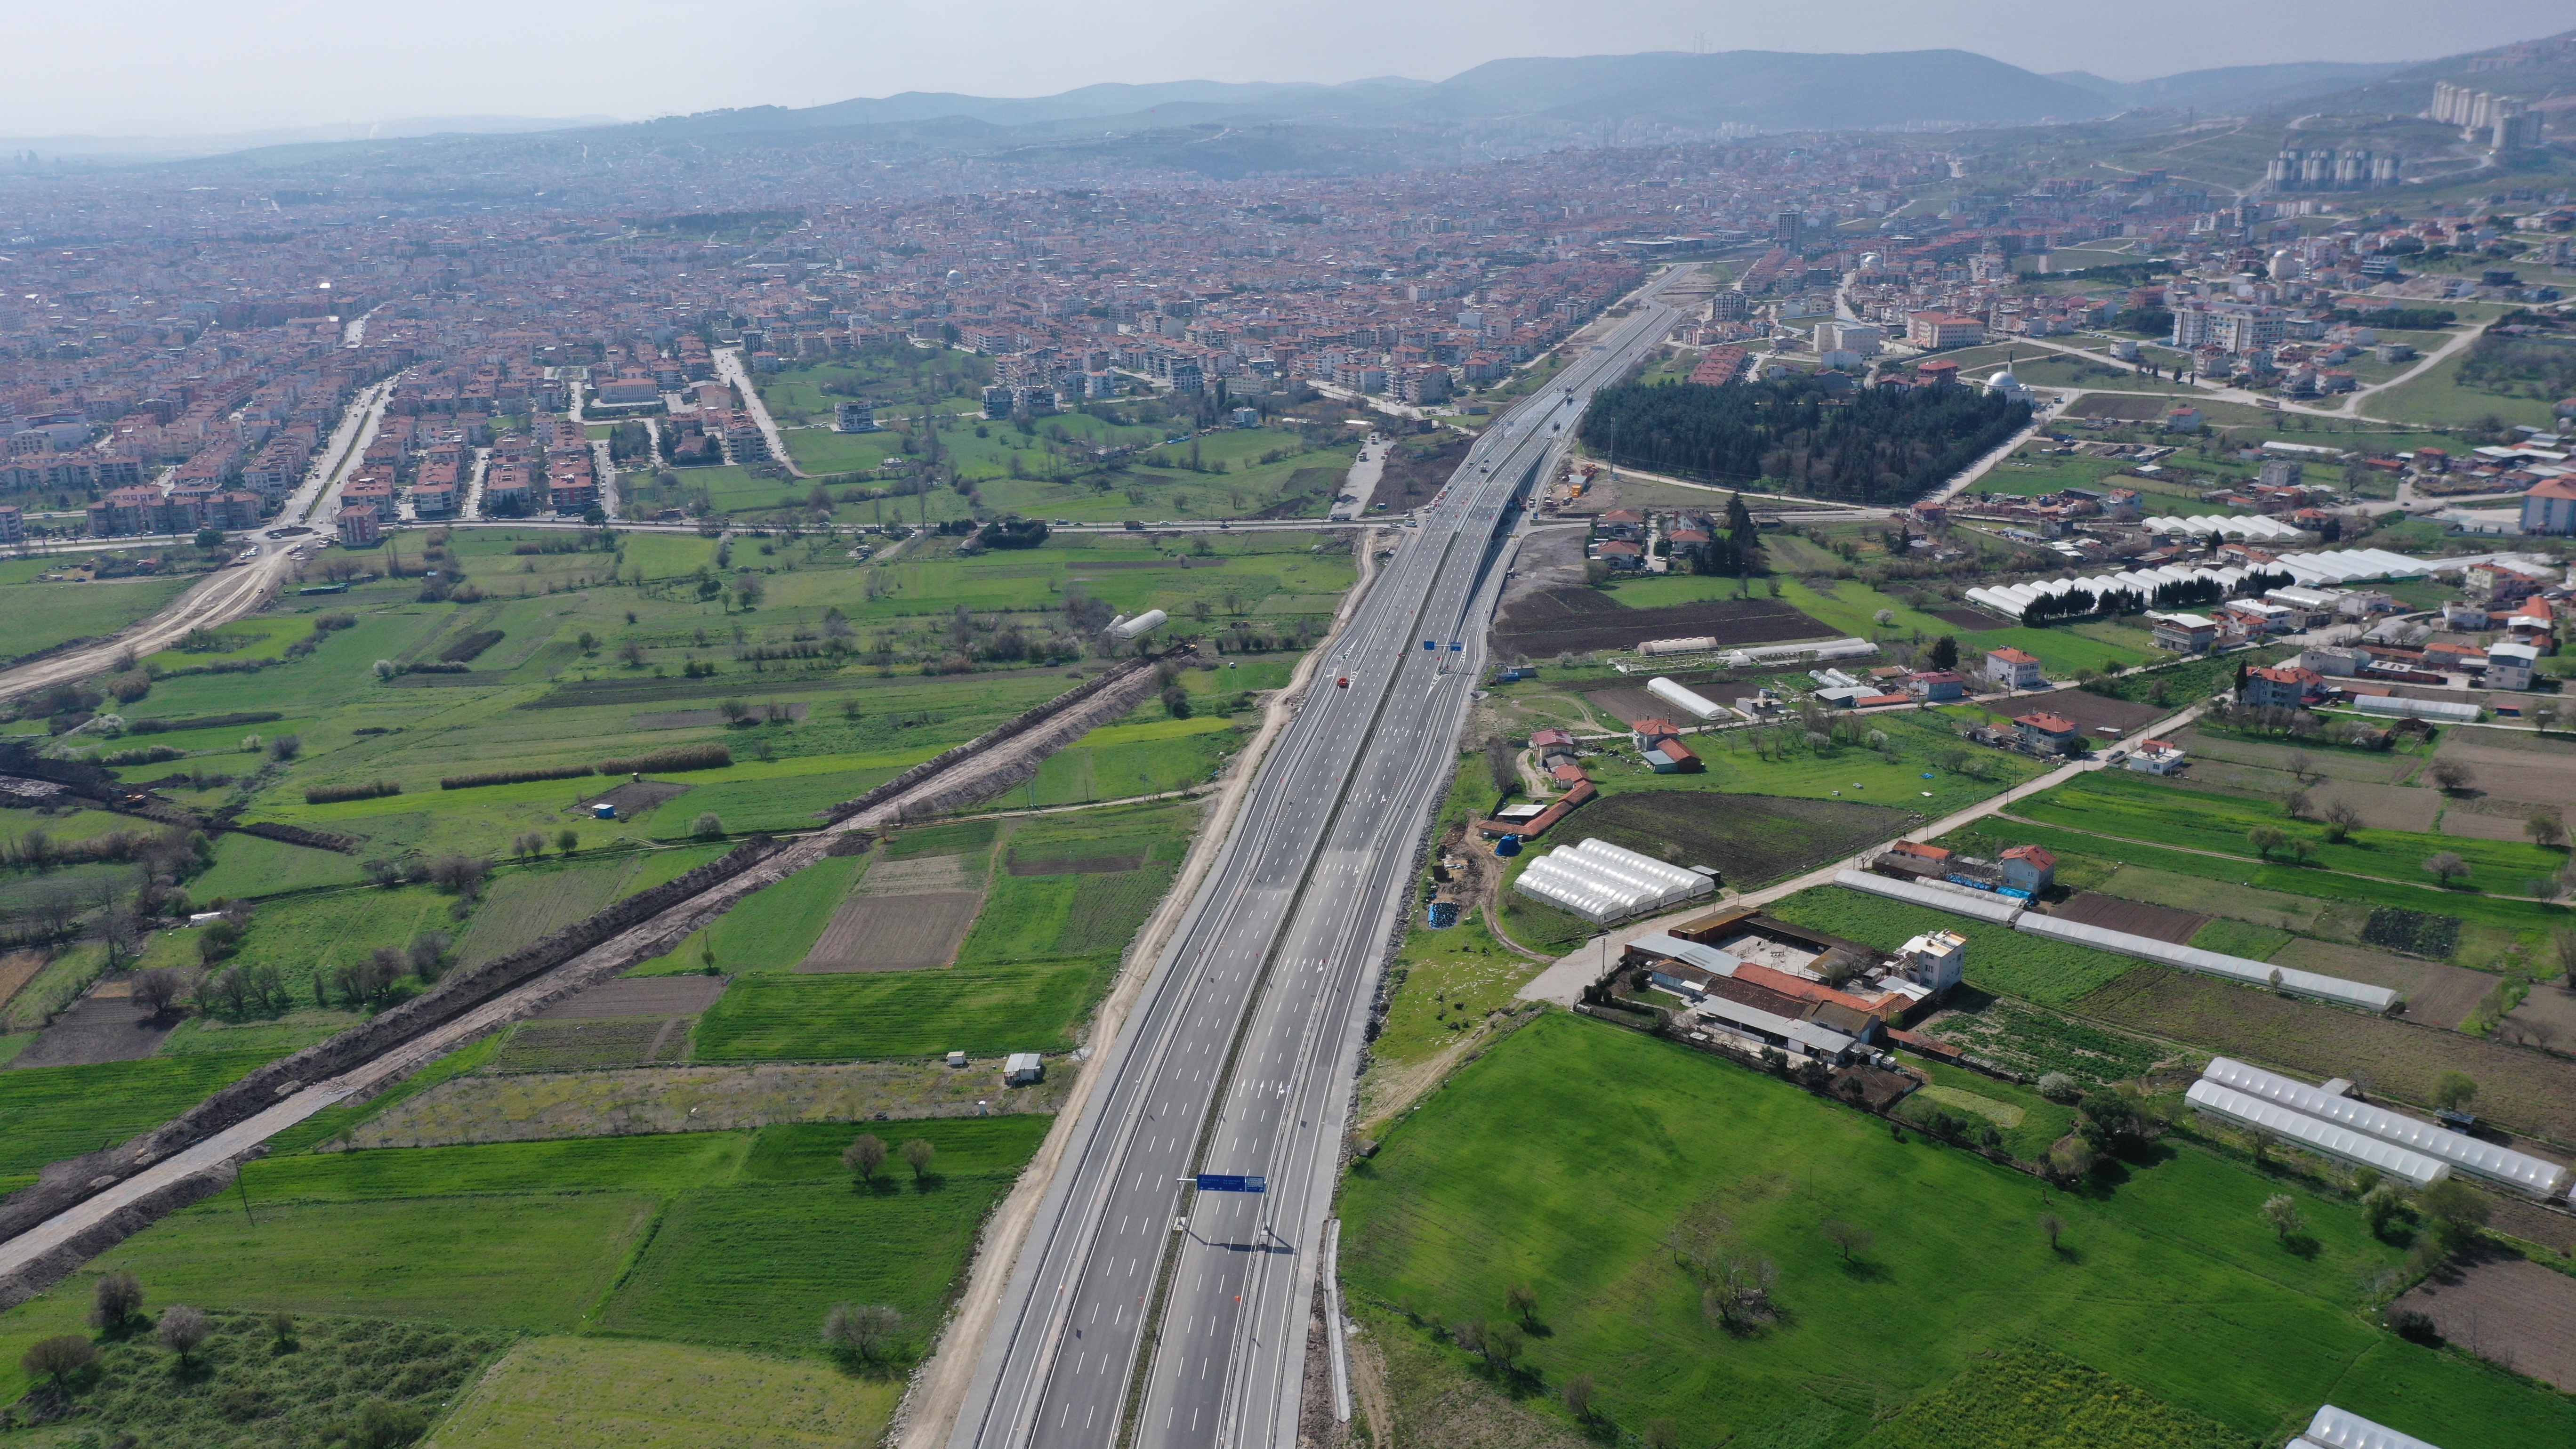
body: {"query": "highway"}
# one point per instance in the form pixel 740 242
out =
pixel 1140 1310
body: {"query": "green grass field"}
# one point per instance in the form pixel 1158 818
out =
pixel 772 928
pixel 2495 933
pixel 1563 1156
pixel 2139 807
pixel 986 1010
pixel 542 1236
pixel 757 1266
pixel 252 866
pixel 2438 398
pixel 49 1113
pixel 44 615
pixel 647 1395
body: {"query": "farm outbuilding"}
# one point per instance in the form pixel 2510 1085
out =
pixel 2483 1160
pixel 2356 1149
pixel 1022 1068
pixel 1602 882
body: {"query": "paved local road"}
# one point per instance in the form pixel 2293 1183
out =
pixel 1192 1307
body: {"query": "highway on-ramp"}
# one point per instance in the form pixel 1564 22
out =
pixel 1139 1309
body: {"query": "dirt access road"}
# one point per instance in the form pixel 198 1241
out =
pixel 228 594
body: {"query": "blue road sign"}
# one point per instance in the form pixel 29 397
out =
pixel 1428 644
pixel 1456 646
pixel 1232 1182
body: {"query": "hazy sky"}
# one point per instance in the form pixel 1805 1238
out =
pixel 181 66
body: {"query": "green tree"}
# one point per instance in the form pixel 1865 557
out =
pixel 115 1300
pixel 1945 652
pixel 917 1154
pixel 2454 1090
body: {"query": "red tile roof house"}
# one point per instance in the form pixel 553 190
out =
pixel 2029 867
pixel 2048 733
pixel 2013 669
pixel 1662 747
pixel 2284 688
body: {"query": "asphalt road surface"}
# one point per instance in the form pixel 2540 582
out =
pixel 1135 1294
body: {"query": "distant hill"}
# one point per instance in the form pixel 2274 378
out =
pixel 172 148
pixel 1087 103
pixel 2529 70
pixel 2234 87
pixel 1664 91
pixel 1770 89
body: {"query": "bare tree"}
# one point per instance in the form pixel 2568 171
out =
pixel 1578 1397
pixel 2452 776
pixel 1523 1299
pixel 2563 945
pixel 865 1154
pixel 59 1358
pixel 2340 818
pixel 1849 1237
pixel 425 954
pixel 862 1329
pixel 155 989
pixel 2545 829
pixel 182 1330
pixel 2447 865
pixel 122 933
pixel 916 1155
pixel 2294 803
pixel 2053 1225
pixel 1663 1434
pixel 2301 768
pixel 1503 1342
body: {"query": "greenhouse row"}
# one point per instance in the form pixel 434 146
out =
pixel 2483 1160
pixel 2354 1149
pixel 1602 882
pixel 2333 566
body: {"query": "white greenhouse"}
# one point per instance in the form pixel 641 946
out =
pixel 1983 905
pixel 1822 651
pixel 2335 1428
pixel 2211 963
pixel 2438 709
pixel 2483 1160
pixel 1684 699
pixel 1602 882
pixel 1123 628
pixel 2357 1149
